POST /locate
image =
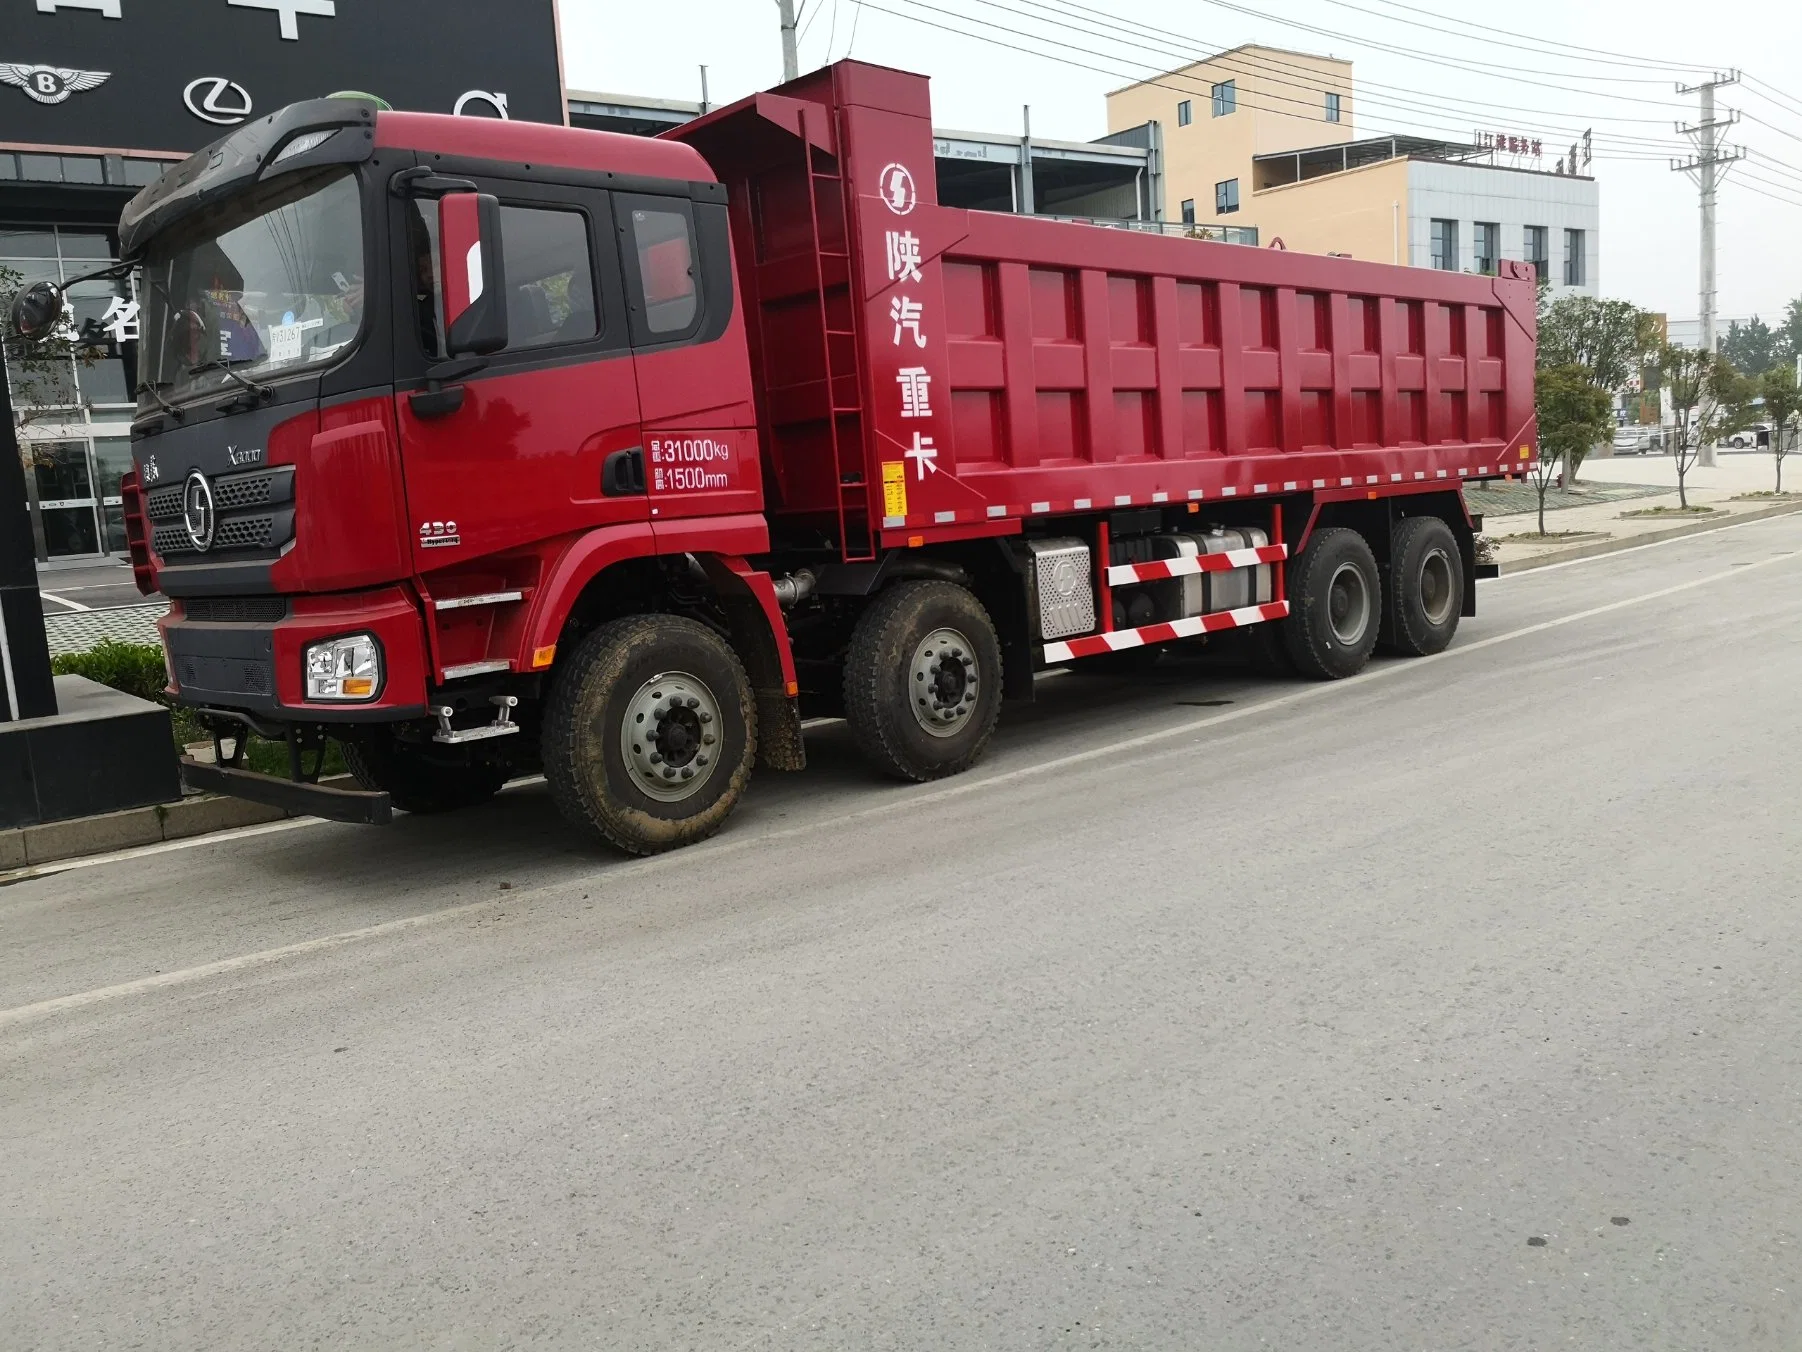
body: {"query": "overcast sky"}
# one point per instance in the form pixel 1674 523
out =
pixel 1649 214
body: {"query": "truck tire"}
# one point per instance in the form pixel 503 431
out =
pixel 650 732
pixel 417 780
pixel 923 680
pixel 1425 591
pixel 1335 606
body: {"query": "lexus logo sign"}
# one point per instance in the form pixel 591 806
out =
pixel 215 99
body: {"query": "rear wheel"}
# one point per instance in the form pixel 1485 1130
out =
pixel 1335 605
pixel 650 732
pixel 923 680
pixel 421 780
pixel 1425 594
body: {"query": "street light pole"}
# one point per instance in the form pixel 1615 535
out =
pixel 791 61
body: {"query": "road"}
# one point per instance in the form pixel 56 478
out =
pixel 92 585
pixel 1453 1006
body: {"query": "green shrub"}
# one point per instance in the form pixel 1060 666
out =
pixel 137 669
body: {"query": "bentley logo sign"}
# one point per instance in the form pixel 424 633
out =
pixel 197 510
pixel 51 84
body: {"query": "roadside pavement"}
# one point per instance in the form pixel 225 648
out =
pixel 1601 527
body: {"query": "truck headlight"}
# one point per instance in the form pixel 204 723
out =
pixel 347 668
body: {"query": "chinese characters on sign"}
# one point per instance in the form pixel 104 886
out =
pixel 908 315
pixel 1509 144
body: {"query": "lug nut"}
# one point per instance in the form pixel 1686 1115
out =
pixel 693 703
pixel 668 773
pixel 706 717
pixel 700 760
pixel 656 758
pixel 708 739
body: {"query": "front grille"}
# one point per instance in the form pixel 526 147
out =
pixel 236 491
pixel 244 532
pixel 225 675
pixel 235 609
pixel 233 494
pixel 164 504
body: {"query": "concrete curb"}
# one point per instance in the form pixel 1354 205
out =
pixel 1652 537
pixel 199 815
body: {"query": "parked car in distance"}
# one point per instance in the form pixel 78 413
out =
pixel 1758 434
pixel 1635 440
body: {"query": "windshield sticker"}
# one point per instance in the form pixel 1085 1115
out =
pixel 287 342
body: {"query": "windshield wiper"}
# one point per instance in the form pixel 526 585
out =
pixel 154 390
pixel 260 390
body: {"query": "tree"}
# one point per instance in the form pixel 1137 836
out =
pixel 1711 399
pixel 1610 340
pixel 40 373
pixel 1782 404
pixel 1792 329
pixel 1751 347
pixel 1573 416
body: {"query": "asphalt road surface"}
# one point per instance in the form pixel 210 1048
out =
pixel 87 586
pixel 1454 1006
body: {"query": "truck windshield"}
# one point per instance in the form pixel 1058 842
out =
pixel 269 284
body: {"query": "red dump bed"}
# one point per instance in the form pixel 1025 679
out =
pixel 988 367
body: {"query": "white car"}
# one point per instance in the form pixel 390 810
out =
pixel 1635 440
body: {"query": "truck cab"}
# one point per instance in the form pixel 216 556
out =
pixel 394 412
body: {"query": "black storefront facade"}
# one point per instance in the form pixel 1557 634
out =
pixel 98 97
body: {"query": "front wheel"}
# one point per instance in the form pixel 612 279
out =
pixel 923 680
pixel 1335 605
pixel 650 732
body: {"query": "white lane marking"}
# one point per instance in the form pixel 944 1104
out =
pixel 61 1003
pixel 1655 544
pixel 712 850
pixel 63 601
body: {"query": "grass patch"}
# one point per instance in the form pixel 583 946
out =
pixel 1670 511
pixel 1765 495
pixel 137 669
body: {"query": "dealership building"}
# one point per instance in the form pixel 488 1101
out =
pixel 98 97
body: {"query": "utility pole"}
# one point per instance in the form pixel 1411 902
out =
pixel 791 61
pixel 1706 167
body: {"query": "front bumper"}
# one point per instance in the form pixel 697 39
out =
pixel 256 666
pixel 313 800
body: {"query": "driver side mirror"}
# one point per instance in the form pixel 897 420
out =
pixel 469 261
pixel 36 311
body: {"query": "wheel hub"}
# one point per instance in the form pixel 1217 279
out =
pixel 1348 604
pixel 1436 587
pixel 943 682
pixel 670 736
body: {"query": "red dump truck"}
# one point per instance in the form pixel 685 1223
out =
pixel 485 447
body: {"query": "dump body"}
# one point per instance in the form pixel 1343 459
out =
pixel 986 368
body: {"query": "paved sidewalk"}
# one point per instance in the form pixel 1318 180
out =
pixel 1600 526
pixel 76 631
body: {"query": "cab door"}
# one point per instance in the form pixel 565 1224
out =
pixel 521 455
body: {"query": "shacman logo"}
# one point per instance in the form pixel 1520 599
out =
pixel 51 84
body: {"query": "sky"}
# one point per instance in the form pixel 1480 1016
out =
pixel 1410 65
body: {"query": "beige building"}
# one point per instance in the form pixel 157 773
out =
pixel 1263 141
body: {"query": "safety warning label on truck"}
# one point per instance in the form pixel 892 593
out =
pixel 894 488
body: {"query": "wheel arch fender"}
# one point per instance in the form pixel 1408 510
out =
pixel 760 636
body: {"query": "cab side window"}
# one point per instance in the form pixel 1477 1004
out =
pixel 660 248
pixel 550 278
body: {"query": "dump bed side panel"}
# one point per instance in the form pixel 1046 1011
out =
pixel 922 367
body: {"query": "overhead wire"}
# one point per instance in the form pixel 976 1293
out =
pixel 1436 128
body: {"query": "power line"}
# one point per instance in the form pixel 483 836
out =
pixel 1615 58
pixel 1243 62
pixel 1435 125
pixel 1774 95
pixel 1540 49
